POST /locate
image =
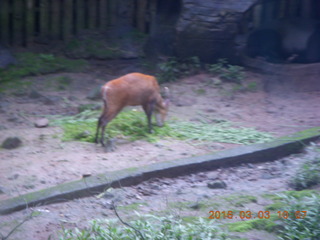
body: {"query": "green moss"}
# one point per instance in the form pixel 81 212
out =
pixel 240 200
pixel 260 224
pixel 187 205
pixel 301 194
pixel 275 206
pixel 37 64
pixel 301 135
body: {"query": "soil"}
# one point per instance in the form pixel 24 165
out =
pixel 44 160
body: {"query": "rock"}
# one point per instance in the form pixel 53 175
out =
pixel 217 184
pixel 2 190
pixel 41 123
pixel 195 206
pixel 83 134
pixel 212 175
pixel 85 175
pixel 34 94
pixel 266 176
pixel 6 58
pixel 11 143
pixel 51 100
pixel 94 93
pixel 14 176
pixel 209 25
pixel 4 106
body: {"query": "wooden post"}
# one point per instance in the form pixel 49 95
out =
pixel 141 14
pixel 283 9
pixel 67 19
pixel 29 24
pixel 80 16
pixel 112 12
pixel 153 16
pixel 56 20
pixel 92 14
pixel 257 16
pixel 103 15
pixel 306 9
pixel 17 15
pixel 44 19
pixel 4 22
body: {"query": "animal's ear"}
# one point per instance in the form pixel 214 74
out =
pixel 166 93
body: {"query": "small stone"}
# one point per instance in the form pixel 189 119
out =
pixel 14 176
pixel 85 175
pixel 11 143
pixel 34 94
pixel 83 134
pixel 41 123
pixel 266 176
pixel 2 190
pixel 217 184
pixel 213 175
pixel 195 206
pixel 95 93
pixel 51 100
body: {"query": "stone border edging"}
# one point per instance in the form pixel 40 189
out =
pixel 96 184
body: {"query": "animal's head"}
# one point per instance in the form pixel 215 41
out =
pixel 163 108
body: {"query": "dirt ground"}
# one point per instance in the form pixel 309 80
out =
pixel 44 160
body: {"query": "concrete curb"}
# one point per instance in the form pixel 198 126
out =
pixel 127 177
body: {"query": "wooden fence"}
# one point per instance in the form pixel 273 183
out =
pixel 22 22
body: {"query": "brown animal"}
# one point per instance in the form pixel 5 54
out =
pixel 131 90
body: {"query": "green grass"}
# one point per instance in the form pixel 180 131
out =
pixel 296 227
pixel 150 227
pixel 260 224
pixel 240 200
pixel 133 125
pixel 218 132
pixel 37 64
pixel 308 173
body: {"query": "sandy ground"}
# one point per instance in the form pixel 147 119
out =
pixel 44 160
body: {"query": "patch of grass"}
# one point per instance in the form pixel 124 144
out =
pixel 218 132
pixel 133 125
pixel 200 91
pixel 308 173
pixel 187 205
pixel 226 71
pixel 150 227
pixel 240 200
pixel 132 207
pixel 275 206
pixel 37 64
pixel 298 226
pixel 298 194
pixel 173 68
pixel 260 224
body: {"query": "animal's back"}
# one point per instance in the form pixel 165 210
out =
pixel 132 89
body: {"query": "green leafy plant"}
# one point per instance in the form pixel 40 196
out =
pixel 303 218
pixel 174 68
pixel 308 173
pixel 150 227
pixel 232 73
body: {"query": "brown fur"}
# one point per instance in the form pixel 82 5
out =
pixel 131 90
